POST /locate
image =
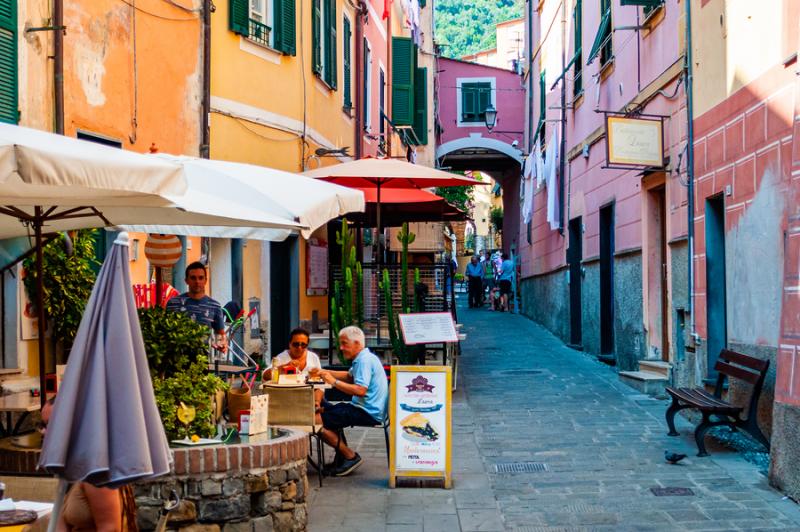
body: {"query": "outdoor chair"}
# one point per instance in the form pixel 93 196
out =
pixel 383 425
pixel 293 407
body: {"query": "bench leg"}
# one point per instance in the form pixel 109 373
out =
pixel 673 409
pixel 751 427
pixel 702 428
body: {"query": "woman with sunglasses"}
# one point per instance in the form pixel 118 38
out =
pixel 298 356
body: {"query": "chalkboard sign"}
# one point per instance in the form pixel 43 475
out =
pixel 420 420
pixel 428 328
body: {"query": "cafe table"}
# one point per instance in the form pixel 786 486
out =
pixel 21 403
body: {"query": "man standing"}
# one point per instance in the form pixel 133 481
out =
pixel 198 306
pixel 366 382
pixel 475 282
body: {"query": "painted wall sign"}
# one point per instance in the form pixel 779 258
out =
pixel 420 419
pixel 428 328
pixel 635 142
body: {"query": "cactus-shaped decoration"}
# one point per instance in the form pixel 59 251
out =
pixel 347 300
pixel 405 237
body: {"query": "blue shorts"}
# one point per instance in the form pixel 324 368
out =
pixel 337 416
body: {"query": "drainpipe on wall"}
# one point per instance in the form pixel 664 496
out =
pixel 58 65
pixel 690 162
pixel 562 150
pixel 530 75
pixel 205 136
pixel 358 86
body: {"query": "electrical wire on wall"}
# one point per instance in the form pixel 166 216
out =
pixel 134 119
pixel 132 4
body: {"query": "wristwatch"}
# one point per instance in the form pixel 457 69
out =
pixel 334 383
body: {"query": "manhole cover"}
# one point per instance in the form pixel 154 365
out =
pixel 519 372
pixel 520 467
pixel 672 492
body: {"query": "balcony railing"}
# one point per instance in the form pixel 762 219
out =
pixel 259 32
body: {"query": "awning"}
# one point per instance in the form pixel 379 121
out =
pixel 400 205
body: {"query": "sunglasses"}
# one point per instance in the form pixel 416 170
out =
pixel 299 344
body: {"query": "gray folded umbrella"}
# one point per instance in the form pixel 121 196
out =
pixel 105 428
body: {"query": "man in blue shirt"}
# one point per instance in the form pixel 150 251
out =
pixel 475 282
pixel 366 382
pixel 198 306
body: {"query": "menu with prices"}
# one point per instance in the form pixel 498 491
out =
pixel 420 422
pixel 428 328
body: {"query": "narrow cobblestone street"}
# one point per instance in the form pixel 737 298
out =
pixel 524 397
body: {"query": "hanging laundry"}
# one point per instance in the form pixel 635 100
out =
pixel 539 169
pixel 551 171
pixel 528 180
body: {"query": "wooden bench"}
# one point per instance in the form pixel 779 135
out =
pixel 730 365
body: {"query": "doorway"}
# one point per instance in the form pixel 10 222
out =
pixel 607 280
pixel 284 291
pixel 716 313
pixel 574 257
pixel 657 285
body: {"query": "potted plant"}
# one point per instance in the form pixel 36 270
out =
pixel 176 349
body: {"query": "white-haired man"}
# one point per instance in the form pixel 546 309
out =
pixel 366 382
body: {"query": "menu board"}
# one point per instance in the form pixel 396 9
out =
pixel 428 328
pixel 317 268
pixel 420 420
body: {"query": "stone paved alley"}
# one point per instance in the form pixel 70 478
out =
pixel 523 396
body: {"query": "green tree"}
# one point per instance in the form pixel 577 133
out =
pixel 461 197
pixel 468 27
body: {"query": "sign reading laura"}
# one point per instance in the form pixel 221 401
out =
pixel 635 142
pixel 421 414
pixel 428 328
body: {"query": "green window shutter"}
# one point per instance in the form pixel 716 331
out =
pixel 602 31
pixel 348 100
pixel 645 3
pixel 331 45
pixel 542 95
pixel 484 98
pixel 421 105
pixel 577 19
pixel 284 22
pixel 402 81
pixel 469 103
pixel 238 17
pixel 422 3
pixel 9 111
pixel 316 44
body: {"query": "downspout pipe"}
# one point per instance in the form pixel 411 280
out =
pixel 563 148
pixel 690 162
pixel 205 133
pixel 530 75
pixel 58 66
pixel 358 85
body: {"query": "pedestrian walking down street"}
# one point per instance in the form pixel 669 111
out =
pixel 489 283
pixel 474 274
pixel 506 275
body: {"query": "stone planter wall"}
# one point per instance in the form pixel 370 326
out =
pixel 250 487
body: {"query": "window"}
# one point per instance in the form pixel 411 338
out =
pixel 267 22
pixel 475 98
pixel 367 86
pixel 346 36
pixel 8 62
pixel 323 29
pixel 577 61
pixel 602 41
pixel 542 106
pixel 404 62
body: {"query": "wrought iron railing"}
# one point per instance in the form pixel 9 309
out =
pixel 259 32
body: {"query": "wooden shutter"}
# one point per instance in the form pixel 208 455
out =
pixel 483 96
pixel 645 3
pixel 331 45
pixel 8 62
pixel 421 105
pixel 284 17
pixel 316 51
pixel 238 17
pixel 422 3
pixel 348 100
pixel 468 102
pixel 402 81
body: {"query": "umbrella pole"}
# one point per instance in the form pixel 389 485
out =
pixel 379 260
pixel 37 231
pixel 58 505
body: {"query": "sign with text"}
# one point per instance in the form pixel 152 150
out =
pixel 634 142
pixel 420 419
pixel 317 268
pixel 259 407
pixel 428 328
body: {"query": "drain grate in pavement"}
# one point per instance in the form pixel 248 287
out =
pixel 672 492
pixel 520 467
pixel 513 372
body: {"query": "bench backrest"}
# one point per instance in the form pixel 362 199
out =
pixel 743 367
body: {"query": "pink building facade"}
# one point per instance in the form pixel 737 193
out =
pixel 464 142
pixel 610 275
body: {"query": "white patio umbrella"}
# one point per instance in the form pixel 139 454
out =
pixel 311 202
pixel 54 183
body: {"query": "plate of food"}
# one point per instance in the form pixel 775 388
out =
pixel 417 428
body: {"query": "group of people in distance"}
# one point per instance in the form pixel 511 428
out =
pixel 87 507
pixel 492 273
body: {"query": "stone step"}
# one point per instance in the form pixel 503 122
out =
pixel 656 366
pixel 646 382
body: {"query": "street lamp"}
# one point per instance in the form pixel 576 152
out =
pixel 491 117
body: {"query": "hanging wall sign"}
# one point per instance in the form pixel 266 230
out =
pixel 420 420
pixel 634 142
pixel 316 268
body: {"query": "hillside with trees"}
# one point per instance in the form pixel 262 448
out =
pixel 465 27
